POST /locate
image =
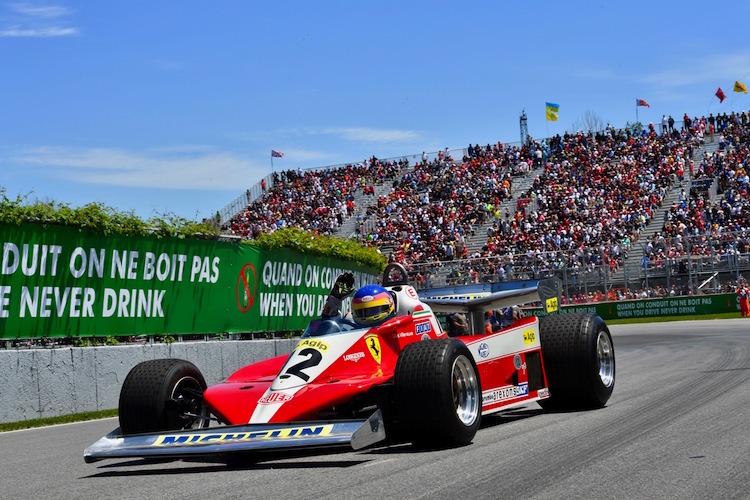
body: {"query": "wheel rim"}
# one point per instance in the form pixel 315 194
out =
pixel 192 411
pixel 465 391
pixel 606 357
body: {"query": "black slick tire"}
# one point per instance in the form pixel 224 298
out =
pixel 161 395
pixel 437 393
pixel 579 361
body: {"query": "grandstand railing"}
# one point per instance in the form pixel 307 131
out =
pixel 245 199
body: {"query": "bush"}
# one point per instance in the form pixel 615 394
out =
pixel 106 220
pixel 99 219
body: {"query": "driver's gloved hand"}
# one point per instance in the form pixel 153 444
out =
pixel 344 286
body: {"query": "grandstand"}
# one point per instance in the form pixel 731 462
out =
pixel 605 210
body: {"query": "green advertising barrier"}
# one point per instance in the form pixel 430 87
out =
pixel 58 281
pixel 649 308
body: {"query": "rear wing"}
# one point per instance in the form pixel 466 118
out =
pixel 547 291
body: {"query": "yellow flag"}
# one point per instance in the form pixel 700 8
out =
pixel 738 87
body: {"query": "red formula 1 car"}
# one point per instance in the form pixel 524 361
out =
pixel 345 384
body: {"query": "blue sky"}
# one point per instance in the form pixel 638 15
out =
pixel 173 107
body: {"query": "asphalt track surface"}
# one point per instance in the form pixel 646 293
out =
pixel 677 426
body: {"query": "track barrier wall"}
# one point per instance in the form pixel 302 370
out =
pixel 40 383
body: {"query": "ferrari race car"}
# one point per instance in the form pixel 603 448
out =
pixel 352 385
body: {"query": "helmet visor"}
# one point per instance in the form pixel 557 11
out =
pixel 371 312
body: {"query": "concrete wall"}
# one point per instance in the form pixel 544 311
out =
pixel 39 383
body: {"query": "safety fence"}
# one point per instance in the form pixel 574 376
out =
pixel 684 265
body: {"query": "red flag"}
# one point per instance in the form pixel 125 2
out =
pixel 720 95
pixel 276 154
pixel 641 102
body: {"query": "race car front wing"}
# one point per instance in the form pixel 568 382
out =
pixel 238 438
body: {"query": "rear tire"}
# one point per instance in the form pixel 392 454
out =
pixel 162 395
pixel 437 393
pixel 579 361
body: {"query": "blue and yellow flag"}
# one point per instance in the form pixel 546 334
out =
pixel 552 110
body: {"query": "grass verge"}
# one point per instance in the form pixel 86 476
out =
pixel 64 419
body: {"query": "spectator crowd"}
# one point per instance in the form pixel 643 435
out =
pixel 587 197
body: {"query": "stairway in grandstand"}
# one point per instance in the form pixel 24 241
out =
pixel 349 229
pixel 657 219
pixel 521 184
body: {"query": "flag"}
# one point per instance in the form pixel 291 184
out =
pixel 276 154
pixel 738 87
pixel 552 110
pixel 641 102
pixel 720 95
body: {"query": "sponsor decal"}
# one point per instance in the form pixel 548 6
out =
pixel 551 305
pixel 512 392
pixel 367 298
pixel 484 350
pixel 235 437
pixel 459 297
pixel 517 361
pixel 421 328
pixel 543 393
pixel 373 345
pixel 402 335
pixel 420 313
pixel 529 336
pixel 411 292
pixel 247 281
pixel 274 398
pixel 356 356
pixel 318 345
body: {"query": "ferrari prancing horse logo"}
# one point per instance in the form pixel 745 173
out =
pixel 373 345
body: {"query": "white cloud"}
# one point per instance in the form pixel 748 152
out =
pixel 38 21
pixel 187 169
pixel 370 135
pixel 167 65
pixel 45 12
pixel 707 68
pixel 16 31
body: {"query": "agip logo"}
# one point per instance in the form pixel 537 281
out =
pixel 247 287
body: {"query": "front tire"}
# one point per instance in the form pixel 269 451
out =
pixel 162 395
pixel 579 361
pixel 437 393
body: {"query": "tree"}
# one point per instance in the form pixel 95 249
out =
pixel 588 122
pixel 634 128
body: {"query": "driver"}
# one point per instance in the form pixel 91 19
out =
pixel 371 304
